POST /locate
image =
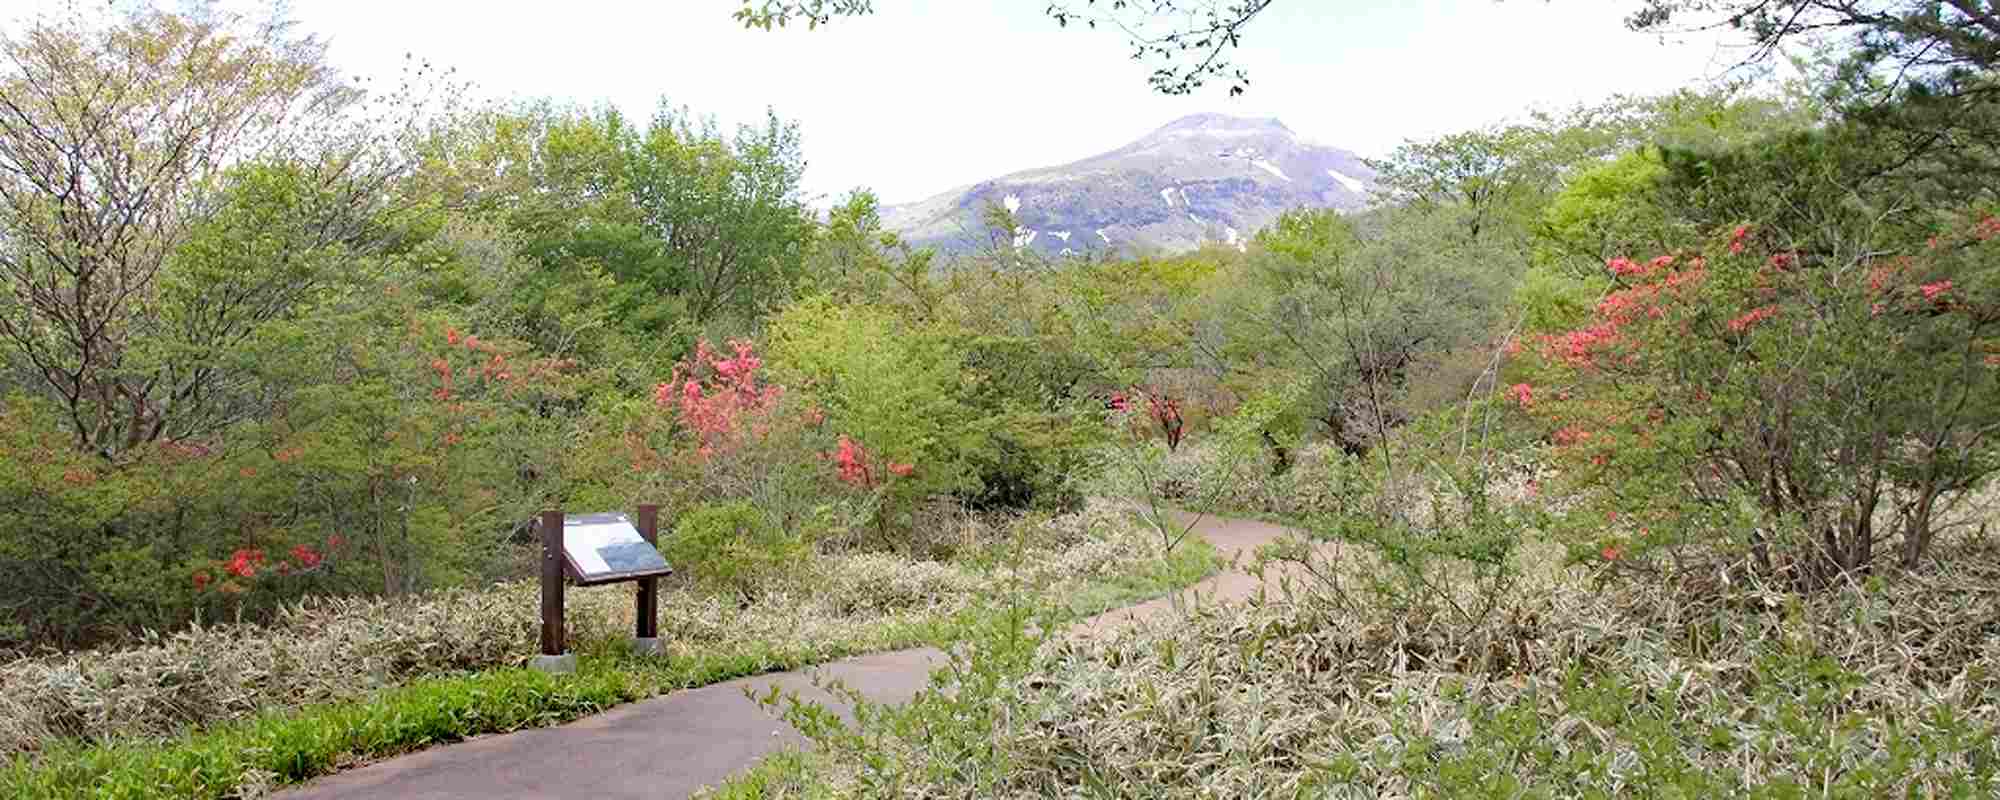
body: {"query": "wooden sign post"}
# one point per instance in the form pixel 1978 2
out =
pixel 646 639
pixel 594 549
pixel 554 656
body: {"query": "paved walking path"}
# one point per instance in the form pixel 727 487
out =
pixel 671 746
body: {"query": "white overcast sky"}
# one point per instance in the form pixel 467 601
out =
pixel 931 94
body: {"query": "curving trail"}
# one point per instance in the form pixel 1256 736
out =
pixel 672 746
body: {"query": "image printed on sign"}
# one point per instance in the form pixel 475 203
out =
pixel 603 546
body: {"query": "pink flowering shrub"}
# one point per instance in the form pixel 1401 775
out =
pixel 722 429
pixel 719 429
pixel 720 400
pixel 1812 416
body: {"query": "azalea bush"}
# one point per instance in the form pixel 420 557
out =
pixel 1817 416
pixel 718 429
pixel 397 464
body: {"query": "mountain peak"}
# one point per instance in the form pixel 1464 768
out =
pixel 1203 178
pixel 1215 123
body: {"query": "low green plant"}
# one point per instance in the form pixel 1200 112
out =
pixel 1639 690
pixel 734 548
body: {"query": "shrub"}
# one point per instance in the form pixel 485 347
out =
pixel 1037 438
pixel 1810 414
pixel 396 464
pixel 733 548
pixel 892 393
pixel 720 430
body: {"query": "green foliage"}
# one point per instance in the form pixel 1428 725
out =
pixel 1604 212
pixel 1037 442
pixel 895 393
pixel 1550 299
pixel 728 212
pixel 1360 314
pixel 734 548
pixel 673 208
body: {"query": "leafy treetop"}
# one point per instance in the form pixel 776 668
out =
pixel 1188 40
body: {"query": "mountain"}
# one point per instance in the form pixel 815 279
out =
pixel 1207 177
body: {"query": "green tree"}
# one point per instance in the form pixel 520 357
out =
pixel 1360 315
pixel 1488 181
pixel 120 145
pixel 893 392
pixel 1921 71
pixel 728 212
pixel 1604 212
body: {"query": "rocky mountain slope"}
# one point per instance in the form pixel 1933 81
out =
pixel 1203 178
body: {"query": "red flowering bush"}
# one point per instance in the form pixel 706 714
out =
pixel 851 462
pixel 719 429
pixel 401 468
pixel 1811 414
pixel 1165 411
pixel 249 567
pixel 720 400
pixel 722 430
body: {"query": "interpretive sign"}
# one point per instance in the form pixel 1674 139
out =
pixel 602 548
pixel 591 549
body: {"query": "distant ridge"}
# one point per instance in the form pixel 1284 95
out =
pixel 1199 179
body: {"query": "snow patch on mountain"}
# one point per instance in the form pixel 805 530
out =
pixel 1351 184
pixel 1100 235
pixel 1271 168
pixel 1167 194
pixel 1063 235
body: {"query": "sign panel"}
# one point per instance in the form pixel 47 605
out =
pixel 601 548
